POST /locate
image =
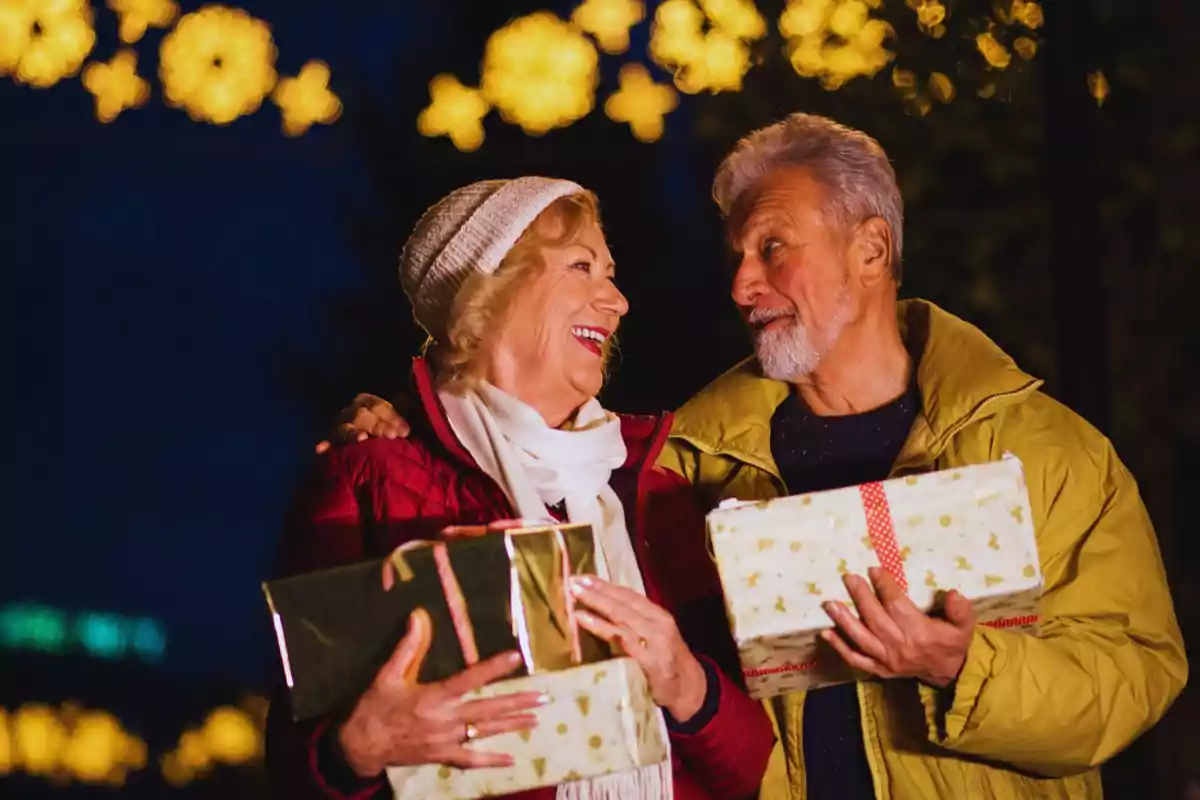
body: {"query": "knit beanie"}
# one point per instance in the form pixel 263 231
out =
pixel 470 230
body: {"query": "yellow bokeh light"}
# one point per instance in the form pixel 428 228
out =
pixel 1028 14
pixel 44 41
pixel 835 41
pixel 39 738
pixel 848 18
pixel 100 751
pixel 174 771
pixel 116 85
pixel 230 736
pixel 1025 47
pixel 641 102
pixel 930 15
pixel 677 35
pixel 737 18
pixel 713 57
pixel 218 64
pixel 1098 87
pixel 904 79
pixel 6 745
pixel 609 21
pixel 996 54
pixel 941 87
pixel 722 62
pixel 455 111
pixel 540 73
pixel 306 99
pixel 138 15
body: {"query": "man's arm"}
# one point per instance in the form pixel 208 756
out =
pixel 1109 660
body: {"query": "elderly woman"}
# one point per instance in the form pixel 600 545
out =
pixel 514 282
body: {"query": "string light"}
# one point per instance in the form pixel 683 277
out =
pixel 641 103
pixel 540 73
pixel 306 99
pixel 138 15
pixel 609 21
pixel 218 64
pixel 44 41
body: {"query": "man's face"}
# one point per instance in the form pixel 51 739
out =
pixel 792 279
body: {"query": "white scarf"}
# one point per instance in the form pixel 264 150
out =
pixel 538 466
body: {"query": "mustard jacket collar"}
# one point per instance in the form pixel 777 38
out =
pixel 962 375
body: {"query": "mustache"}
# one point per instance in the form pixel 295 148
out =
pixel 761 316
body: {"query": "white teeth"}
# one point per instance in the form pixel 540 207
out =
pixel 588 333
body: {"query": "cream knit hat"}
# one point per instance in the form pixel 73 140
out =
pixel 469 230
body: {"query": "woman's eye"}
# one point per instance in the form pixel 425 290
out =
pixel 583 265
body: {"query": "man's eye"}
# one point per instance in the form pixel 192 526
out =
pixel 769 247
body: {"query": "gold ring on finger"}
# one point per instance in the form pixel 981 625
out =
pixel 470 732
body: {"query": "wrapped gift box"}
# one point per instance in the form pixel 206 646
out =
pixel 601 719
pixel 486 595
pixel 968 529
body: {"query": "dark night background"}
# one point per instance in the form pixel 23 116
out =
pixel 187 306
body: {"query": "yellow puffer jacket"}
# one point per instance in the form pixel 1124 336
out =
pixel 1028 717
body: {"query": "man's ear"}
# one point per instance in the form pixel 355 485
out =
pixel 871 251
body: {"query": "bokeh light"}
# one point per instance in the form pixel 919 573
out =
pixel 218 64
pixel 835 41
pixel 706 46
pixel 306 99
pixel 116 85
pixel 641 103
pixel 540 73
pixel 996 54
pixel 44 41
pixel 456 111
pixel 138 15
pixel 609 21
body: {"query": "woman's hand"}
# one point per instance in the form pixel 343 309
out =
pixel 366 416
pixel 400 722
pixel 648 634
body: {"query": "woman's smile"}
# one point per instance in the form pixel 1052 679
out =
pixel 591 337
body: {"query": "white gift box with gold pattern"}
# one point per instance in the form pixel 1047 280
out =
pixel 600 719
pixel 968 529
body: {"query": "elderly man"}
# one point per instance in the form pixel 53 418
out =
pixel 849 385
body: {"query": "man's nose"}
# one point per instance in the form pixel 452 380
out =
pixel 747 281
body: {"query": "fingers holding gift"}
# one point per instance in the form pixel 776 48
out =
pixel 619 604
pixel 892 637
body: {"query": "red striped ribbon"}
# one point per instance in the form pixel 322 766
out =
pixel 883 540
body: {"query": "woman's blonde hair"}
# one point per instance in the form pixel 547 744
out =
pixel 483 299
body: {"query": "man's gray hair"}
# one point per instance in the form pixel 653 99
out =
pixel 850 165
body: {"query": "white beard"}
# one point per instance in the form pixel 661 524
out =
pixel 790 350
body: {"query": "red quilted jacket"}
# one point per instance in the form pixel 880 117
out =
pixel 368 498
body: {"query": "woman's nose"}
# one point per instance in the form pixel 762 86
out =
pixel 612 301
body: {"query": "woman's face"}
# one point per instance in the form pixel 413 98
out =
pixel 548 350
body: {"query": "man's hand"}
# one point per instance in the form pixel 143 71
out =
pixel 892 638
pixel 365 417
pixel 648 634
pixel 400 722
